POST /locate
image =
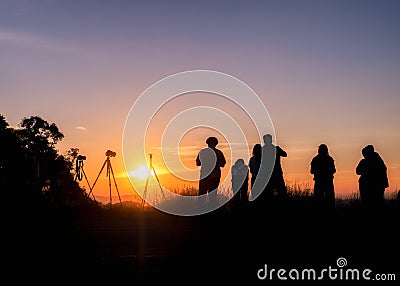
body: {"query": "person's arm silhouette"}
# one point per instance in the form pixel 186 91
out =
pixel 360 169
pixel 280 152
pixel 221 159
pixel 313 168
pixel 333 167
pixel 198 162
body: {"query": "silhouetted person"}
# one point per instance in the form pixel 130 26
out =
pixel 211 160
pixel 373 177
pixel 276 181
pixel 255 162
pixel 323 169
pixel 240 183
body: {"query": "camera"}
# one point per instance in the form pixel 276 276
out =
pixel 80 157
pixel 110 153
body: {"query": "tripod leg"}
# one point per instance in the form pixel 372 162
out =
pixel 115 183
pixel 155 175
pixel 145 191
pixel 87 181
pixel 91 189
pixel 109 181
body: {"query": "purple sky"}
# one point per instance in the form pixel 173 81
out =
pixel 327 71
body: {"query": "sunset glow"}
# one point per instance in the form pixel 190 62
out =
pixel 326 72
pixel 214 142
pixel 141 172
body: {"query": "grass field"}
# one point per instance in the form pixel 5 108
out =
pixel 132 244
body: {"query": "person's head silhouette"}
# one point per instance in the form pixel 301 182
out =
pixel 239 162
pixel 367 150
pixel 212 142
pixel 267 139
pixel 323 149
pixel 257 149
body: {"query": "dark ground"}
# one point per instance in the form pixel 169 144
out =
pixel 132 245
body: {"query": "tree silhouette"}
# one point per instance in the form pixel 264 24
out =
pixel 38 138
pixel 13 163
pixel 3 123
pixel 37 131
pixel 31 170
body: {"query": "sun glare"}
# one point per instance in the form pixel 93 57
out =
pixel 141 172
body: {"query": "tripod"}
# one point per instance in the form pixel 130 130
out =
pixel 79 171
pixel 151 168
pixel 109 170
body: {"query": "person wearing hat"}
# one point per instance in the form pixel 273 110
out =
pixel 323 168
pixel 210 160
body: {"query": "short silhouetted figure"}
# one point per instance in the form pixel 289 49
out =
pixel 276 182
pixel 255 162
pixel 323 169
pixel 373 177
pixel 211 161
pixel 240 183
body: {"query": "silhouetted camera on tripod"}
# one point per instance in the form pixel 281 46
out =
pixel 81 157
pixel 79 171
pixel 109 173
pixel 110 153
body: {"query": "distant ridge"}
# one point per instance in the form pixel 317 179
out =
pixel 124 198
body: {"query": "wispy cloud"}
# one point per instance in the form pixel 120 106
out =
pixel 33 41
pixel 83 128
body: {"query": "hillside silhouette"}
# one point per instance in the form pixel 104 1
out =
pixel 56 233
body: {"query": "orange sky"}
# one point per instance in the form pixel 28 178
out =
pixel 296 165
pixel 295 168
